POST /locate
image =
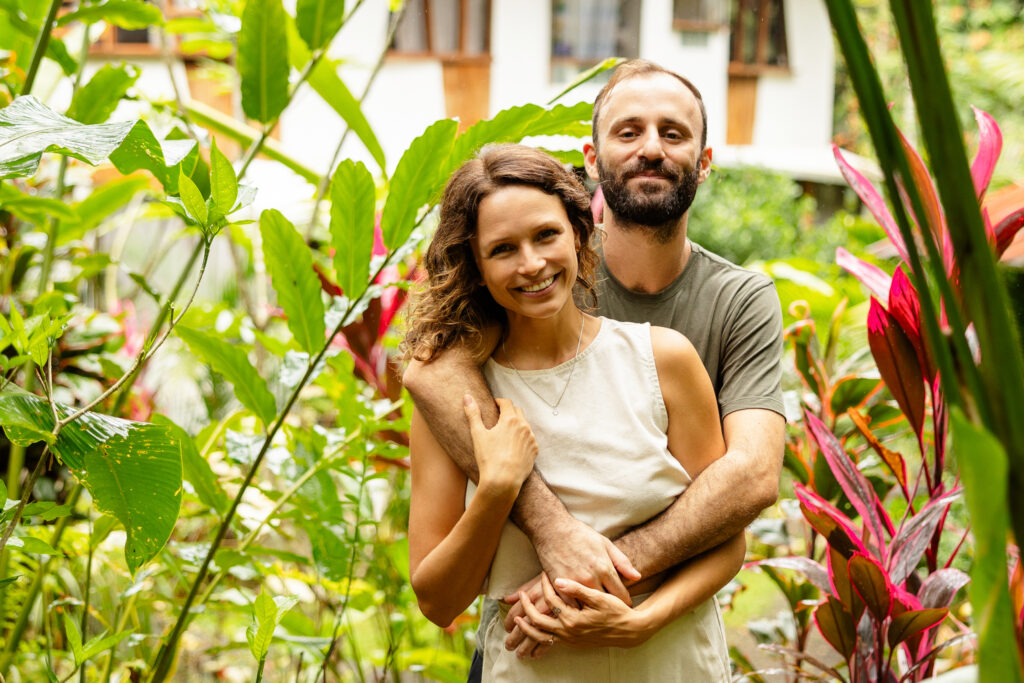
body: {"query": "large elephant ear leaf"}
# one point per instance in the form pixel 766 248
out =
pixel 132 470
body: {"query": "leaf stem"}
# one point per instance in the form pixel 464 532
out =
pixel 42 42
pixel 26 493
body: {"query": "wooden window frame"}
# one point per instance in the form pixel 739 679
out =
pixel 462 54
pixel 760 65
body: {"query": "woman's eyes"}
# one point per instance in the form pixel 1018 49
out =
pixel 500 249
pixel 544 235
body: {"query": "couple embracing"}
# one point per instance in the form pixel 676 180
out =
pixel 590 470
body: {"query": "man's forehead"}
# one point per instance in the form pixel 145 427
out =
pixel 634 96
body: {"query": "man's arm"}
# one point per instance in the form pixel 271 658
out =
pixel 566 547
pixel 725 498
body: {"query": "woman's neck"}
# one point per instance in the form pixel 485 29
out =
pixel 540 343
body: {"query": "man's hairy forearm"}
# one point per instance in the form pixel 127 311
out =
pixel 719 503
pixel 437 388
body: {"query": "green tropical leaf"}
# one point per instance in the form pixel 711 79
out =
pixel 325 82
pixel 417 179
pixel 128 14
pixel 353 196
pixel 31 544
pixel 262 63
pixel 195 469
pixel 29 128
pixel 233 363
pixel 97 99
pixel 984 470
pixel 223 182
pixel 600 67
pixel 245 135
pixel 192 198
pixel 102 643
pixel 290 264
pixel 267 612
pixel 25 32
pixel 101 203
pixel 33 209
pixel 319 20
pixel 190 25
pixel 132 470
pixel 207 47
pixel 74 637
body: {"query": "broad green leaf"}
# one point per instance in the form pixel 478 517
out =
pixel 19 33
pixel 192 198
pixel 207 47
pixel 233 363
pixel 290 265
pixel 262 60
pixel 74 637
pixel 28 128
pixel 30 544
pixel 102 643
pixel 190 25
pixel 325 82
pixel 128 14
pixel 97 99
pixel 131 469
pixel 223 182
pixel 267 612
pixel 195 469
pixel 353 196
pixel 33 209
pixel 243 134
pixel 600 67
pixel 319 20
pixel 416 181
pixel 984 472
pixel 100 204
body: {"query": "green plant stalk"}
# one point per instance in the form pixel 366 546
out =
pixel 259 671
pixel 985 300
pixel 85 599
pixel 122 619
pixel 165 654
pixel 18 630
pixel 42 42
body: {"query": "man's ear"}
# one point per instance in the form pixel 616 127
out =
pixel 590 160
pixel 705 165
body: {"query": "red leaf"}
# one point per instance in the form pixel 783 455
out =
pixel 914 536
pixel 836 625
pixel 325 282
pixel 905 308
pixel 842 587
pixel 853 483
pixel 873 200
pixel 910 624
pixel 939 589
pixel 1007 230
pixel 872 585
pixel 828 521
pixel 897 363
pixel 990 144
pixel 929 198
pixel 874 278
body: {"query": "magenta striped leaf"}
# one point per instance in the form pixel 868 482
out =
pixel 814 572
pixel 940 587
pixel 990 145
pixel 836 625
pixel 872 585
pixel 905 308
pixel 853 483
pixel 1007 229
pixel 910 624
pixel 827 520
pixel 897 363
pixel 871 276
pixel 873 200
pixel 914 536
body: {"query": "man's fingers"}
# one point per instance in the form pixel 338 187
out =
pixel 622 563
pixel 613 584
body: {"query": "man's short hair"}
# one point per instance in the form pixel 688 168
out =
pixel 634 68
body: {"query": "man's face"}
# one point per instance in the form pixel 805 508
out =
pixel 648 156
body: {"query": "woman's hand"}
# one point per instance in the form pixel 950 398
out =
pixel 602 620
pixel 505 452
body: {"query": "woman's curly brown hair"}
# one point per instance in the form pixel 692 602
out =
pixel 455 308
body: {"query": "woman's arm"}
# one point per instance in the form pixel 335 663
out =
pixel 450 545
pixel 695 439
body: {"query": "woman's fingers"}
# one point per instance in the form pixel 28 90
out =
pixel 556 605
pixel 577 591
pixel 536 638
pixel 542 621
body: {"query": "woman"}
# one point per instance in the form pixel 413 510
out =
pixel 622 417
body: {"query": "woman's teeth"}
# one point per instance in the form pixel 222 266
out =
pixel 539 286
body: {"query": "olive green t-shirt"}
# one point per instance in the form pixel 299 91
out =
pixel 731 315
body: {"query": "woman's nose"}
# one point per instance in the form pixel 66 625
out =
pixel 532 261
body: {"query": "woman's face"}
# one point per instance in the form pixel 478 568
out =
pixel 526 250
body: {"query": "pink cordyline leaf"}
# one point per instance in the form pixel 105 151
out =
pixel 871 276
pixel 1007 230
pixel 853 483
pixel 827 520
pixel 905 308
pixel 378 237
pixel 836 626
pixel 897 363
pixel 940 587
pixel 597 205
pixel 990 144
pixel 926 190
pixel 903 600
pixel 814 572
pixel 913 623
pixel 872 584
pixel 873 200
pixel 914 536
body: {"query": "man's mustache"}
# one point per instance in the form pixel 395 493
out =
pixel 656 166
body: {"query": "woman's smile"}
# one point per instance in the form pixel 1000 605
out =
pixel 539 288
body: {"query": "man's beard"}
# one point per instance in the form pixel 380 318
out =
pixel 656 211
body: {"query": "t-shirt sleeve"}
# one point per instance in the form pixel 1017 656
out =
pixel 751 367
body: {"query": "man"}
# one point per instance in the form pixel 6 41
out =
pixel 649 153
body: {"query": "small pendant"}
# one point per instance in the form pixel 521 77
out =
pixel 555 411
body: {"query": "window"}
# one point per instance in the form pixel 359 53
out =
pixel 758 36
pixel 587 31
pixel 140 42
pixel 699 15
pixel 444 28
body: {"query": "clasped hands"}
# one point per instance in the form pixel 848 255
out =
pixel 567 611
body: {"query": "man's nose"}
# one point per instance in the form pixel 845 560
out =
pixel 650 145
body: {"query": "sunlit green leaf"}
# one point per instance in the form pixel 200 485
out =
pixel 267 612
pixel 416 181
pixel 290 264
pixel 190 25
pixel 30 544
pixel 352 202
pixel 233 363
pixel 96 100
pixel 195 469
pixel 132 470
pixel 600 67
pixel 223 183
pixel 74 637
pixel 209 47
pixel 262 59
pixel 128 14
pixel 319 20
pixel 192 198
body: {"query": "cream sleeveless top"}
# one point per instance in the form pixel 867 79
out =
pixel 605 454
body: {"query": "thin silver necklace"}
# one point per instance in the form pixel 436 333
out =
pixel 553 406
